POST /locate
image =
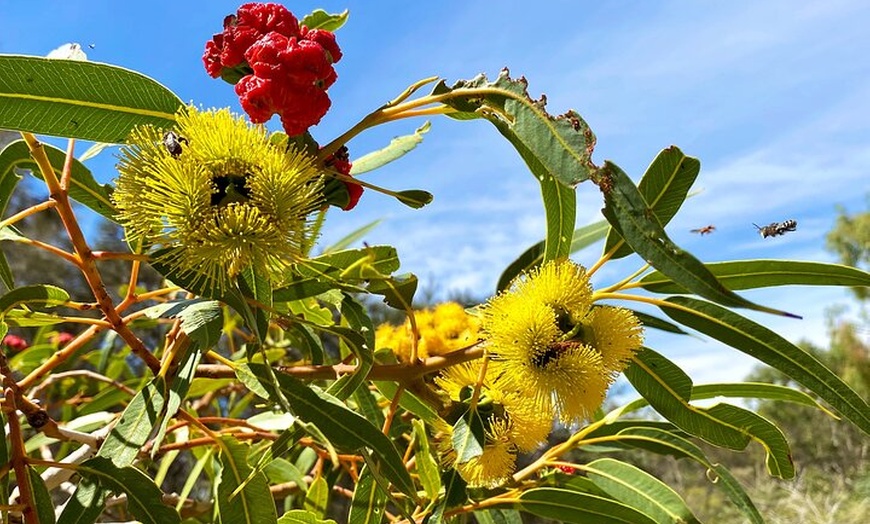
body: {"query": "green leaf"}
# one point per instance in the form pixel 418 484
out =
pixel 664 187
pixel 560 207
pixel 130 434
pixel 345 241
pixel 455 493
pixel 765 345
pixel 85 505
pixel 427 467
pixel 409 401
pixel 397 148
pixel 201 319
pixel 317 497
pixel 751 274
pixel 369 502
pixel 78 99
pixel 398 290
pixel 345 428
pixel 359 339
pixel 144 499
pixel 22 318
pixel 254 503
pixel 534 256
pixel 639 490
pixel 565 505
pixel 468 437
pixel 337 269
pixel 300 516
pixel 561 145
pixel 37 295
pixel 414 198
pixel 667 443
pixel 42 499
pixel 557 150
pixel 83 187
pixel 628 213
pixel 650 321
pixel 320 19
pixel 668 389
pixel 181 377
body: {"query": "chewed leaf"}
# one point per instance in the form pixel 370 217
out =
pixel 562 145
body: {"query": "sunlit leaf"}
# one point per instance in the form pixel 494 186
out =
pixel 639 490
pixel 38 296
pixel 397 148
pixel 253 504
pixel 317 497
pixel 320 19
pixel 83 100
pixel 557 150
pixel 427 467
pixel 668 390
pixel 566 505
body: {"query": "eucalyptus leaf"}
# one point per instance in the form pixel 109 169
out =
pixel 83 100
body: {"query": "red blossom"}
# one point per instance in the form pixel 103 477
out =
pixel 15 343
pixel 340 161
pixel 252 21
pixel 564 468
pixel 277 66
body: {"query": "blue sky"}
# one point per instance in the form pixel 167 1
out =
pixel 771 96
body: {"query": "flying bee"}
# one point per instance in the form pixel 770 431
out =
pixel 706 230
pixel 172 142
pixel 776 228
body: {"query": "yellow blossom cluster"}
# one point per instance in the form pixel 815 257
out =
pixel 442 329
pixel 552 356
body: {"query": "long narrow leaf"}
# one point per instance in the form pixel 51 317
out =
pixel 765 345
pixel 751 274
pixel 566 505
pixel 640 490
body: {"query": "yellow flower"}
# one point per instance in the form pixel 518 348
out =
pixel 616 333
pixel 527 426
pixel 217 197
pixel 444 328
pixel 534 330
pixel 495 465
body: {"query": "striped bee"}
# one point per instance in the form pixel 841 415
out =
pixel 776 228
pixel 172 142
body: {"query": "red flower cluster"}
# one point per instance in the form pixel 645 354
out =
pixel 15 343
pixel 278 66
pixel 340 161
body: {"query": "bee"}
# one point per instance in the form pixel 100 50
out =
pixel 173 142
pixel 776 228
pixel 706 230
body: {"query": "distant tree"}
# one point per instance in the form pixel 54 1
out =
pixel 850 240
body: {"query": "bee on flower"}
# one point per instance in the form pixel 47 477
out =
pixel 558 349
pixel 233 200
